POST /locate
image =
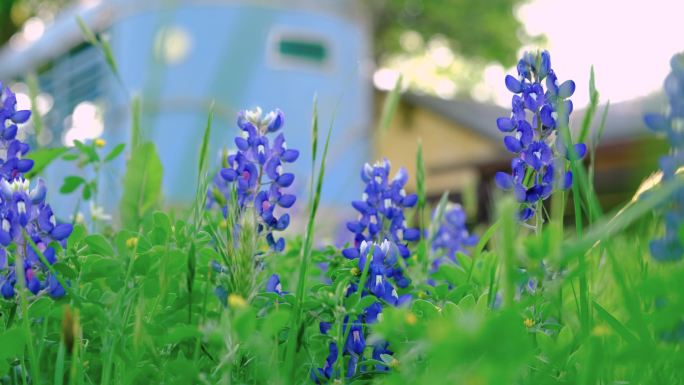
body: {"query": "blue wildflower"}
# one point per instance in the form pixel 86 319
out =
pixel 381 234
pixel 535 172
pixel 671 124
pixel 256 174
pixel 452 236
pixel 273 285
pixel 326 372
pixel 380 284
pixel 381 209
pixel 356 342
pixel 380 349
pixel 24 212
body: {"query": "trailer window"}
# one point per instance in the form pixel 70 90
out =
pixel 297 49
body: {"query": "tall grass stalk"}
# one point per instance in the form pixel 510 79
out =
pixel 297 326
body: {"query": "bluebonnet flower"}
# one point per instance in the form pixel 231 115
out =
pixel 671 124
pixel 381 234
pixel 273 285
pixel 380 268
pixel 327 370
pixel 256 174
pixel 379 349
pixel 381 209
pixel 381 216
pixel 532 132
pixel 24 212
pixel 452 236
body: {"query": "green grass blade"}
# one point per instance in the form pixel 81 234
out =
pixel 59 364
pixel 33 91
pixel 100 42
pixel 202 162
pixel 136 129
pixel 591 109
pixel 202 167
pixel 109 57
pixel 390 106
pixel 142 186
pixel 422 251
pixel 314 144
pixel 477 250
pixel 615 323
pixel 507 213
pixel 626 216
pixel 593 145
pixel 87 33
pixel 305 256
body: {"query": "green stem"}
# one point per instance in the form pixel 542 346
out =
pixel 296 326
pixel 23 303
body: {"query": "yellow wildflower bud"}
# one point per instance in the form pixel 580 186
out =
pixel 100 143
pixel 529 322
pixel 236 301
pixel 132 242
pixel 600 330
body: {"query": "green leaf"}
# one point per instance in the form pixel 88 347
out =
pixel 97 267
pixel 118 149
pixel 70 157
pixel 275 322
pixel 87 192
pixel 142 185
pixel 42 158
pixel 98 244
pixel 424 309
pixel 13 342
pixel 180 333
pixel 88 151
pixel 71 183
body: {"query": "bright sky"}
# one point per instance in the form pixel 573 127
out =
pixel 629 42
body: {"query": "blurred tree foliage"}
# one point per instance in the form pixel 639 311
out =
pixel 481 29
pixel 13 13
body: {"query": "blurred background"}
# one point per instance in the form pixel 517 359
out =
pixel 180 55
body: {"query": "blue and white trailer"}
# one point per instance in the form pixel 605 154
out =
pixel 181 55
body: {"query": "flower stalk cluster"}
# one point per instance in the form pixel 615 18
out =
pixel 250 190
pixel 255 174
pixel 379 258
pixel 671 124
pixel 381 237
pixel 26 220
pixel 451 237
pixel 533 133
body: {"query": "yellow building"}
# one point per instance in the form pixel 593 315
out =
pixel 463 149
